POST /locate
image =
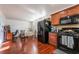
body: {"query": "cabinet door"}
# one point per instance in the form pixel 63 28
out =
pixel 63 14
pixel 55 19
pixel 76 10
pixel 53 39
pixel 73 11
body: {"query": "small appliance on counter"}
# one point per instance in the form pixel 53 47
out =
pixel 68 40
pixel 54 29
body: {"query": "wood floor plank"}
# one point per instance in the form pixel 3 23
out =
pixel 30 46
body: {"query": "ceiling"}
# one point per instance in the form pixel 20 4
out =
pixel 30 12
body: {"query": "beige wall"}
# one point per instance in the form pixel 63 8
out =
pixel 64 26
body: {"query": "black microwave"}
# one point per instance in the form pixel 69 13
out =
pixel 74 19
pixel 66 20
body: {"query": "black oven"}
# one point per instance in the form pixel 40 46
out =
pixel 68 40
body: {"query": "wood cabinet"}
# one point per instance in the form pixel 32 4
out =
pixel 53 39
pixel 63 14
pixel 55 18
pixel 73 11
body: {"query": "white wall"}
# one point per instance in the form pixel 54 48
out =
pixel 2 22
pixel 18 24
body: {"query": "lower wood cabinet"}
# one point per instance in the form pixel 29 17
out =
pixel 53 39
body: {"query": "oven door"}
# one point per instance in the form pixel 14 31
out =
pixel 68 41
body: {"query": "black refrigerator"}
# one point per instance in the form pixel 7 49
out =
pixel 44 27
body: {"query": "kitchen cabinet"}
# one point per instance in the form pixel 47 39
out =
pixel 73 11
pixel 63 14
pixel 53 39
pixel 70 12
pixel 55 18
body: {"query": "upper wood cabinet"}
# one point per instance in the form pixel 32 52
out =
pixel 55 18
pixel 73 11
pixel 63 14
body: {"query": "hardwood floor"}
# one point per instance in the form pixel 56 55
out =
pixel 46 48
pixel 29 46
